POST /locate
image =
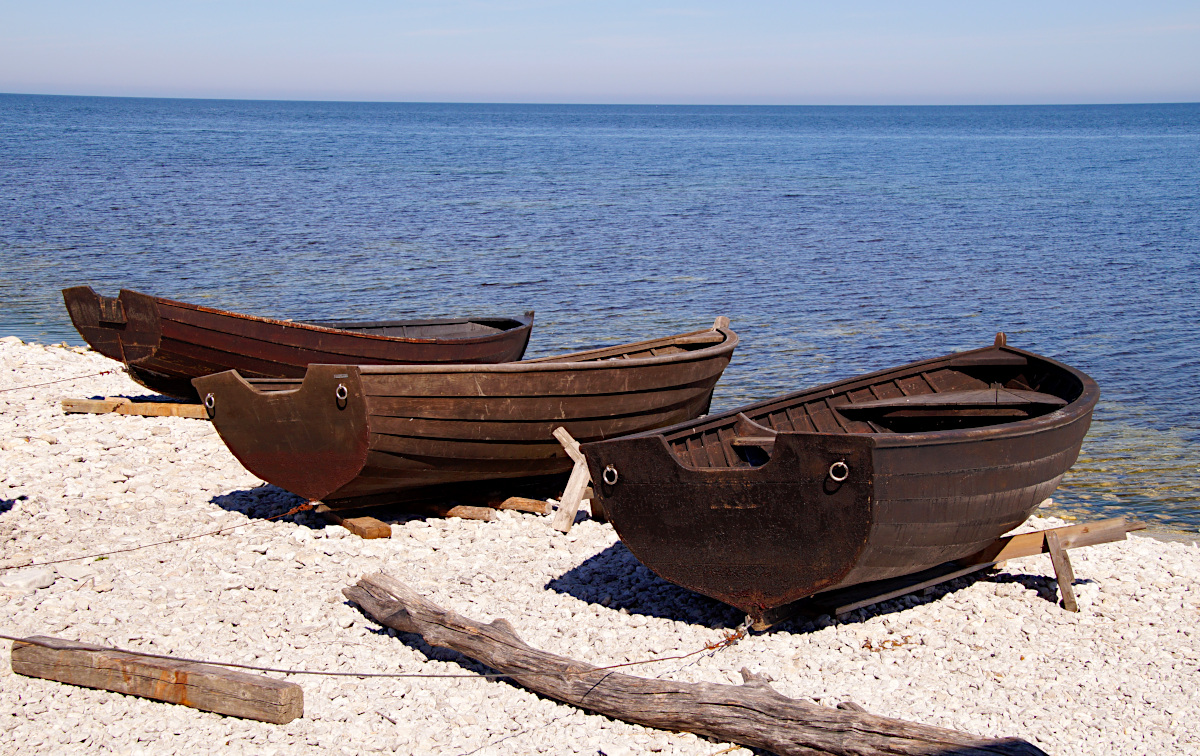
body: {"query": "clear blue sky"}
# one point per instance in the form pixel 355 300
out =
pixel 669 51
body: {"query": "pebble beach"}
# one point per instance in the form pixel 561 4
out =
pixel 992 654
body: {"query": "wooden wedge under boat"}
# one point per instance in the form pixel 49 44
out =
pixel 165 344
pixel 349 434
pixel 855 481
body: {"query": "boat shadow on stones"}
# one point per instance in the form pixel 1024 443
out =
pixel 616 580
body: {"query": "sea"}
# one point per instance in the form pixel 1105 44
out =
pixel 838 240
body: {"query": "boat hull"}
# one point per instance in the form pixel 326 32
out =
pixel 165 344
pixel 350 435
pixel 767 534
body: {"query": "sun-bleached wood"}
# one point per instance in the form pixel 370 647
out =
pixel 572 496
pixel 753 714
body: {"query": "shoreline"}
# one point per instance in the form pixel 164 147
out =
pixel 991 655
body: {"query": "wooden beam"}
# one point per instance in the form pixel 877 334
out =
pixel 200 686
pixel 123 406
pixel 1071 537
pixel 572 496
pixel 752 714
pixel 363 527
pixel 845 600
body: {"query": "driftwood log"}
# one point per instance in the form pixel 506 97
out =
pixel 752 714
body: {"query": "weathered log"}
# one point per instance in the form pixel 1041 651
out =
pixel 752 714
pixel 200 686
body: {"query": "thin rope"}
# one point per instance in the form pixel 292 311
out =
pixel 729 641
pixel 60 380
pixel 292 511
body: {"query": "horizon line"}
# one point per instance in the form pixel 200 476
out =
pixel 605 104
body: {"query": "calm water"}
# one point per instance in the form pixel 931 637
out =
pixel 839 240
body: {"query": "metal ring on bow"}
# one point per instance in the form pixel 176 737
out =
pixel 210 401
pixel 342 393
pixel 610 475
pixel 839 471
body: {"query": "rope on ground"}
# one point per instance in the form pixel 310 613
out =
pixel 60 380
pixel 292 511
pixel 730 640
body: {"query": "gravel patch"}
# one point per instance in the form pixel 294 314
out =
pixel 992 655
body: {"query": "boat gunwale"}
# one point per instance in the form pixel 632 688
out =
pixel 563 364
pixel 521 321
pixel 1077 409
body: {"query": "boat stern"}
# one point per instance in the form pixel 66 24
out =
pixel 310 440
pixel 754 537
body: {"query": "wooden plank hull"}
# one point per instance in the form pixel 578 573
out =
pixel 350 433
pixel 165 344
pixel 746 507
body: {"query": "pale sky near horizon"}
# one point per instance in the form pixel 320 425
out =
pixel 660 52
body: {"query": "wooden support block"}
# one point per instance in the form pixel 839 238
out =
pixel 1062 571
pixel 123 406
pixel 363 527
pixel 470 513
pixel 521 504
pixel 200 686
pixel 572 497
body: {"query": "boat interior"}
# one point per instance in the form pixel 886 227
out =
pixel 424 329
pixel 977 389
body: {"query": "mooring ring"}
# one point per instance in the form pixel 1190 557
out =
pixel 210 401
pixel 839 471
pixel 341 392
pixel 610 475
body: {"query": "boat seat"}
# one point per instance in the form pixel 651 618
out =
pixel 983 399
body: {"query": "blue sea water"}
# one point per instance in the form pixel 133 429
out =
pixel 838 239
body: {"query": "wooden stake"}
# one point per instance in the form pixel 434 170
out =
pixel 753 714
pixel 572 497
pixel 1062 571
pixel 200 686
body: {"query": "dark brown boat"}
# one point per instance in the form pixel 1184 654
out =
pixel 165 344
pixel 349 434
pixel 852 482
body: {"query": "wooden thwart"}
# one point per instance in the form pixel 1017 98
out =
pixel 200 686
pixel 1053 541
pixel 752 714
pixel 123 406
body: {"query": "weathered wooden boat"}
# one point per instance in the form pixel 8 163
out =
pixel 165 344
pixel 852 482
pixel 351 434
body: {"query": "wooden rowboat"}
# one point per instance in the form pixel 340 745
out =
pixel 855 481
pixel 165 344
pixel 354 434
